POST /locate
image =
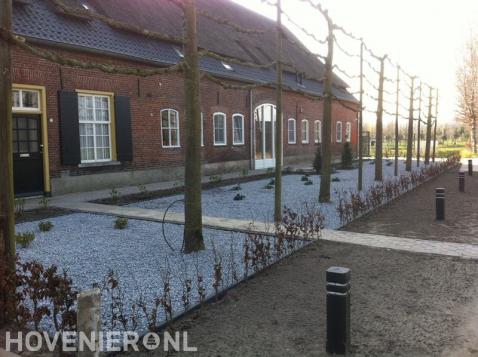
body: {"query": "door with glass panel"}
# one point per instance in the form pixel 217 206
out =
pixel 27 155
pixel 264 126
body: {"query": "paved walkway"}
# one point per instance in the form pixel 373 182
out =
pixel 79 202
pixel 467 251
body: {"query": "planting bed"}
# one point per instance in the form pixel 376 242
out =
pixel 402 304
pixel 88 247
pixel 258 201
pixel 413 216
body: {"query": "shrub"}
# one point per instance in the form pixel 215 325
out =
pixel 269 186
pixel 239 197
pixel 25 239
pixel 45 226
pixel 115 194
pixel 215 178
pixel 44 202
pixel 304 178
pixel 308 183
pixel 335 179
pixel 121 223
pixel 272 182
pixel 41 295
pixel 236 188
pixel 19 205
pixel 347 156
pixel 317 164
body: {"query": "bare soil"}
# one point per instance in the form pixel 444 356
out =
pixel 403 304
pixel 413 214
pixel 40 214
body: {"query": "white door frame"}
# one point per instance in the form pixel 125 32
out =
pixel 269 162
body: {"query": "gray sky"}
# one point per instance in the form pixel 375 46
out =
pixel 425 36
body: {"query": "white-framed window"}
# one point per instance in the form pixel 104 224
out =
pixel 220 133
pixel 202 129
pixel 95 127
pixel 238 129
pixel 317 131
pixel 291 130
pixel 338 132
pixel 170 128
pixel 348 131
pixel 305 131
pixel 26 99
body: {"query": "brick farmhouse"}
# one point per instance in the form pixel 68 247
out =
pixel 78 129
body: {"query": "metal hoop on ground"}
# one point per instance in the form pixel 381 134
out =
pixel 164 220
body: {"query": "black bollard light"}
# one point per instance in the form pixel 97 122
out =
pixel 461 181
pixel 470 167
pixel 338 310
pixel 440 203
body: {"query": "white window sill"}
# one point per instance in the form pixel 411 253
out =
pixel 225 144
pixel 238 144
pixel 171 147
pixel 291 143
pixel 305 142
pixel 99 164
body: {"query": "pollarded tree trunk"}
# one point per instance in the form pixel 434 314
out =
pixel 324 195
pixel 379 125
pixel 279 122
pixel 429 130
pixel 193 237
pixel 408 165
pixel 7 218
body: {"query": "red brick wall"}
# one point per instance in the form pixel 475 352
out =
pixel 152 94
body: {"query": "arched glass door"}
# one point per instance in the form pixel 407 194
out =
pixel 264 120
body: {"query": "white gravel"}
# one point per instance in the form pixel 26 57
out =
pixel 88 247
pixel 258 204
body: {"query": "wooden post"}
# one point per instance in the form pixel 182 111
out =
pixel 7 214
pixel 379 124
pixel 435 128
pixel 279 121
pixel 193 238
pixel 324 195
pixel 397 108
pixel 360 131
pixel 418 125
pixel 408 165
pixel 429 129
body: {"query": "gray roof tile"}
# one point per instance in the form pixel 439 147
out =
pixel 39 20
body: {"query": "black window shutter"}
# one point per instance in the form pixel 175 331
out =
pixel 124 141
pixel 69 128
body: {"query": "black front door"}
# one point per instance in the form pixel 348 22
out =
pixel 27 155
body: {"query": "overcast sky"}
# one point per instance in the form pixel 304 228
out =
pixel 425 36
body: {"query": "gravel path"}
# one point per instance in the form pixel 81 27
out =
pixel 89 247
pixel 403 304
pixel 258 203
pixel 413 214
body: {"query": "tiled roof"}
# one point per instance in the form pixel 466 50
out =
pixel 39 20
